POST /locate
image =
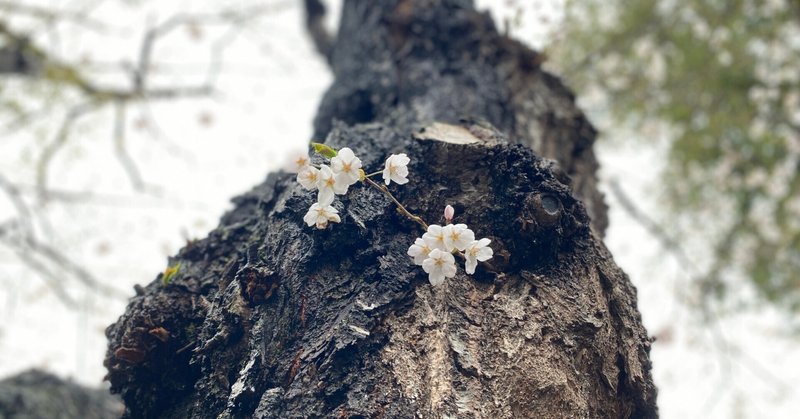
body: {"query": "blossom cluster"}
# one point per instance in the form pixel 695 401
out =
pixel 434 250
pixel 335 179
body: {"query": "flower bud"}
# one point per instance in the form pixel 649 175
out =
pixel 449 212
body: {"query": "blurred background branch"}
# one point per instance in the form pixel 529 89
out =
pixel 73 88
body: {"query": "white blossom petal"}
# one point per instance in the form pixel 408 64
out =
pixel 457 236
pixel 325 197
pixel 436 278
pixel 470 265
pixel 296 161
pixel 435 238
pixel 341 183
pixel 328 185
pixel 346 166
pixel 308 177
pixel 478 250
pixel 419 251
pixel 439 265
pixel 396 169
pixel 319 215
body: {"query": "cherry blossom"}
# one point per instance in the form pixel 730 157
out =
pixel 434 251
pixel 419 251
pixel 457 236
pixel 439 265
pixel 297 161
pixel 346 165
pixel 478 250
pixel 435 237
pixel 328 185
pixel 320 215
pixel 308 177
pixel 396 169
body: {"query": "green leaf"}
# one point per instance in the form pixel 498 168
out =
pixel 324 150
pixel 170 273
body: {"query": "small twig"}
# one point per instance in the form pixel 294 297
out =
pixel 51 149
pixel 24 213
pixel 28 247
pixel 650 225
pixel 80 197
pixel 186 347
pixel 52 280
pixel 400 206
pixel 121 150
pixel 49 16
pixel 78 272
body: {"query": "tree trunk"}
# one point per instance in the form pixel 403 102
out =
pixel 269 318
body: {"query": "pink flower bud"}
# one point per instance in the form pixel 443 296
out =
pixel 449 212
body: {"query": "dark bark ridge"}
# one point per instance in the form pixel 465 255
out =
pixel 269 318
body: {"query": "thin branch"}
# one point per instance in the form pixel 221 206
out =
pixel 25 118
pixel 400 206
pixel 226 16
pixel 121 150
pixel 80 273
pixel 49 16
pixel 51 149
pixel 25 215
pixel 66 196
pixel 160 135
pixel 27 246
pixel 650 225
pixel 51 279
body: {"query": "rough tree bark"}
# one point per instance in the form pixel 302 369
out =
pixel 268 318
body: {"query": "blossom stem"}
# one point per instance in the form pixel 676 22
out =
pixel 400 206
pixel 373 174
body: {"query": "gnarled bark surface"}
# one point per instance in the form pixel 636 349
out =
pixel 268 318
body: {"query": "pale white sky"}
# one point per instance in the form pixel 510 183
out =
pixel 202 152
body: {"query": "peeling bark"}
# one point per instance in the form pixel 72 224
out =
pixel 268 318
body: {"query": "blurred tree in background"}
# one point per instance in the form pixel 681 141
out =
pixel 57 93
pixel 723 76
